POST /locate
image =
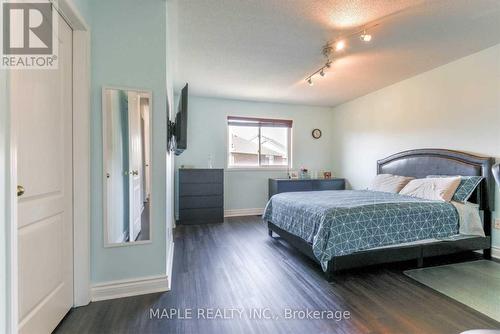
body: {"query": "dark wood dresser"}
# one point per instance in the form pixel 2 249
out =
pixel 201 196
pixel 277 186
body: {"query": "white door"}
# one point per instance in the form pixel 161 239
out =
pixel 135 160
pixel 146 148
pixel 42 103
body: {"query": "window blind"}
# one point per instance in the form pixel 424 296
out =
pixel 262 122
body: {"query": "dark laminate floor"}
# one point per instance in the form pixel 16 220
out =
pixel 236 265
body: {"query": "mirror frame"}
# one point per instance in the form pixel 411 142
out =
pixel 149 94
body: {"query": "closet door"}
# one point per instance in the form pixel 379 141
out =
pixel 42 103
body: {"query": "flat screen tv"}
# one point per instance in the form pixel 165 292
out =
pixel 181 120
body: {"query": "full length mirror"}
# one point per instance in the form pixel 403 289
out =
pixel 126 116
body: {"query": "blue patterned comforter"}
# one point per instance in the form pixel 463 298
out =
pixel 346 221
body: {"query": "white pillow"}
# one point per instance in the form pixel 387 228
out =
pixel 389 183
pixel 438 189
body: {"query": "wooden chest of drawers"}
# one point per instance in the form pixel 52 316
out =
pixel 201 196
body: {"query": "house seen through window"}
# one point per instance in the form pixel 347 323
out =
pixel 257 142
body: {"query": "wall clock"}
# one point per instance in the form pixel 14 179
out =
pixel 316 133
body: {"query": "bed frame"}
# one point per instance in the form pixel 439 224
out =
pixel 419 163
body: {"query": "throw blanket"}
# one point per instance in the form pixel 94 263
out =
pixel 343 222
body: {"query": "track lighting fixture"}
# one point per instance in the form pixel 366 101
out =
pixel 321 71
pixel 327 51
pixel 338 45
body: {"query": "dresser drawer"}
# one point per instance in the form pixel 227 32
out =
pixel 190 202
pixel 300 185
pixel 197 216
pixel 334 184
pixel 201 176
pixel 201 189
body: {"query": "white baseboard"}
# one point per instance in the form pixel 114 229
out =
pixel 243 212
pixel 495 252
pixel 136 286
pixel 131 287
pixel 170 264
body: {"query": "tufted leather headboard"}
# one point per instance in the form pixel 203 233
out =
pixel 422 162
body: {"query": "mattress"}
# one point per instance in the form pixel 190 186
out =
pixel 343 222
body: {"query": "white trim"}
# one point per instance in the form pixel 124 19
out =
pixel 5 205
pixel 170 265
pixel 12 230
pixel 243 212
pixel 81 167
pixel 70 13
pixel 130 287
pixel 495 252
pixel 81 150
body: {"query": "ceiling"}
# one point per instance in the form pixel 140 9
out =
pixel 264 49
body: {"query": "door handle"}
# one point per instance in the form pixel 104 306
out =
pixel 135 172
pixel 20 191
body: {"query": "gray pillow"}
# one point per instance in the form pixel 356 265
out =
pixel 466 187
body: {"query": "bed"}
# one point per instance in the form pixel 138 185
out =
pixel 347 229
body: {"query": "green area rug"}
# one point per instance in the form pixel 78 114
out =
pixel 475 284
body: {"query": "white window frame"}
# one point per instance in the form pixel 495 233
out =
pixel 260 167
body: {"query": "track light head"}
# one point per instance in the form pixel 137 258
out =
pixel 340 45
pixel 322 72
pixel 365 37
pixel 310 82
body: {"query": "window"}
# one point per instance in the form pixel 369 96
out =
pixel 257 142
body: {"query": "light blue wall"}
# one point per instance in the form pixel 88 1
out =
pixel 207 129
pixel 83 7
pixel 170 173
pixel 129 50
